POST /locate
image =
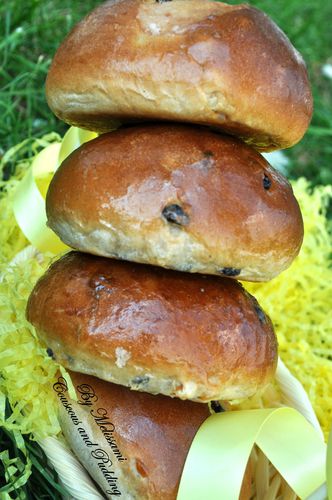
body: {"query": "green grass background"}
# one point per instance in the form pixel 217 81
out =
pixel 31 30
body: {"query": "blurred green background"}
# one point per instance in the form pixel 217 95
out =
pixel 31 30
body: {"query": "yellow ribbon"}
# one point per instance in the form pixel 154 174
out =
pixel 29 202
pixel 73 139
pixel 29 199
pixel 220 451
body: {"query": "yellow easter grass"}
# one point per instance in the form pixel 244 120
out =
pixel 299 302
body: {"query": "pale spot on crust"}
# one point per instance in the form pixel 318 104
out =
pixel 189 390
pixel 122 356
pixel 154 28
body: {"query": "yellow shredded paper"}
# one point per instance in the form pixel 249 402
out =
pixel 299 303
pixel 26 372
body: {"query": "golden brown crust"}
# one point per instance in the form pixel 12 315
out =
pixel 177 196
pixel 184 335
pixel 198 61
pixel 147 438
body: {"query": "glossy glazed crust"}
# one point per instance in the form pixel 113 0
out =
pixel 198 61
pixel 190 336
pixel 177 196
pixel 151 436
pixel 147 438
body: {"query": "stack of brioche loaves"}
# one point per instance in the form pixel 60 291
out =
pixel 169 210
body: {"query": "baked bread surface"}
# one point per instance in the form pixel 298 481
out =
pixel 188 336
pixel 180 197
pixel 131 442
pixel 196 61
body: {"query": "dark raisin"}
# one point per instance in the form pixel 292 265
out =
pixel 260 313
pixel 230 271
pixel 266 182
pixel 50 353
pixel 141 380
pixel 8 170
pixel 176 215
pixel 162 1
pixel 208 154
pixel 216 407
